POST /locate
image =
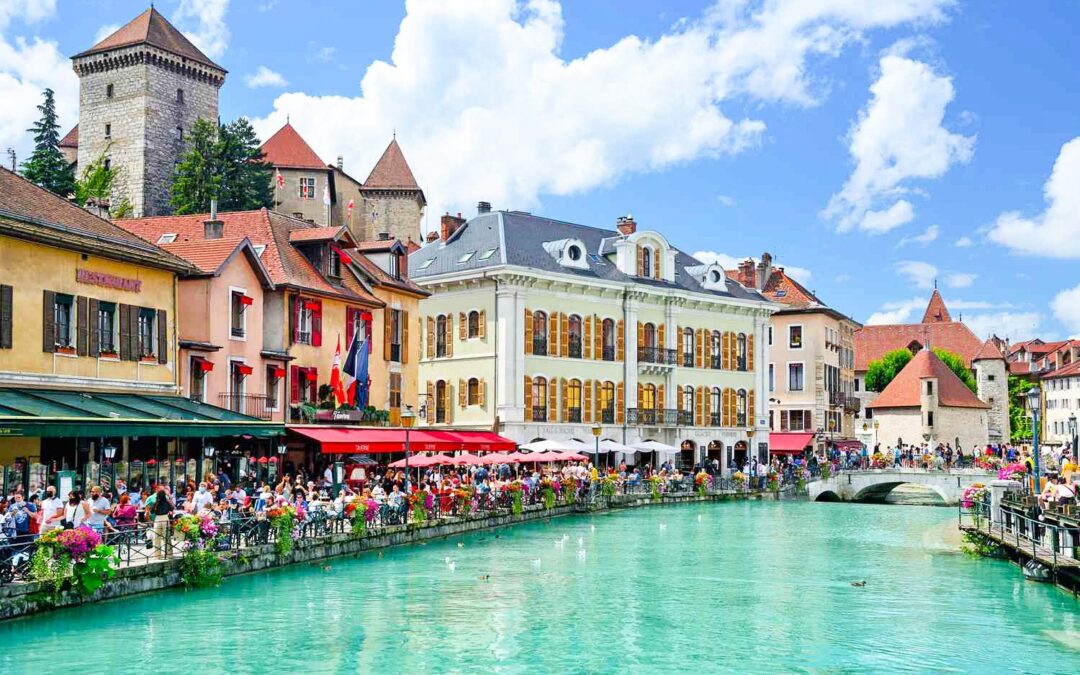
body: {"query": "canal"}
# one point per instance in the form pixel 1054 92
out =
pixel 750 587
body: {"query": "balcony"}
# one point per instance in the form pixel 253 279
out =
pixel 852 404
pixel 607 416
pixel 686 418
pixel 574 347
pixel 574 415
pixel 540 346
pixel 539 413
pixel 836 398
pixel 253 405
pixel 652 417
pixel 688 359
pixel 714 419
pixel 657 356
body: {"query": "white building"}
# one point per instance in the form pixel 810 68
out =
pixel 1061 392
pixel 542 329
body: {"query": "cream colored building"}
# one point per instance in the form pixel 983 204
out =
pixel 1061 401
pixel 542 329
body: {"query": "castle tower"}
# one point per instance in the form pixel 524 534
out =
pixel 140 90
pixel 992 384
pixel 393 201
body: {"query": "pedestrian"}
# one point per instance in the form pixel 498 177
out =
pixel 162 509
pixel 76 511
pixel 99 509
pixel 52 511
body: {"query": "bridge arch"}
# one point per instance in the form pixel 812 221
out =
pixel 879 492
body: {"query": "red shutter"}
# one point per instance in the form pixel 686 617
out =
pixel 294 384
pixel 366 318
pixel 313 377
pixel 316 324
pixel 294 315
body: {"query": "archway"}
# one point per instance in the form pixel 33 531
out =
pixel 715 452
pixel 741 454
pixel 688 454
pixel 827 496
pixel 882 493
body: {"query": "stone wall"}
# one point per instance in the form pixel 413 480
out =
pixel 397 211
pixel 992 385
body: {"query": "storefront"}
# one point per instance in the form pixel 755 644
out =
pixel 791 443
pixel 371 441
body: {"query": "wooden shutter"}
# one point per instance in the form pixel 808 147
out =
pixel 481 394
pixel 7 316
pixel 463 389
pixel 660 334
pixel 751 411
pixel 699 409
pixel 163 336
pixel 725 351
pixel 586 337
pixel 403 321
pixel 294 320
pixel 707 414
pixel 528 331
pixel 386 335
pixel 48 322
pixel 699 357
pixel 680 350
pixel 640 269
pixel 124 317
pixel 448 395
pixel 94 337
pixel 750 352
pixel 528 399
pixel 134 311
pixel 621 341
pixel 620 403
pixel 294 384
pixel 661 399
pixel 564 335
pixel 316 324
pixel 463 324
pixel 430 343
pixel 350 320
pixel 783 420
pixel 640 336
pixel 482 327
pixel 553 399
pixel 431 402
pixel 598 338
pixel 656 264
pixel 552 334
pixel 449 335
pixel 733 351
pixel 587 395
pixel 82 322
pixel 564 390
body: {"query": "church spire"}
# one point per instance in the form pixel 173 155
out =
pixel 936 312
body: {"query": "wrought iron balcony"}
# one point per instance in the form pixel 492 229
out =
pixel 836 398
pixel 607 416
pixel 715 362
pixel 609 353
pixel 658 355
pixel 740 363
pixel 686 418
pixel 652 417
pixel 688 359
pixel 574 415
pixel 253 405
pixel 852 404
pixel 540 346
pixel 539 413
pixel 714 419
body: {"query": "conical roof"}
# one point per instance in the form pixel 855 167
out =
pixel 287 149
pixel 905 390
pixel 936 312
pixel 989 351
pixel 392 172
pixel 151 28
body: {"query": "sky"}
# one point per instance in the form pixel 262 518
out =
pixel 874 149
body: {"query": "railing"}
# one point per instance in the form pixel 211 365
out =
pixel 540 346
pixel 715 362
pixel 254 405
pixel 539 413
pixel 740 363
pixel 573 349
pixel 837 398
pixel 609 353
pixel 303 337
pixel 440 415
pixel 573 415
pixel 688 359
pixel 652 417
pixel 740 420
pixel 686 418
pixel 658 355
pixel 607 416
pixel 852 404
pixel 714 419
pixel 1043 541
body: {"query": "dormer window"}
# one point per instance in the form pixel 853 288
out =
pixel 645 269
pixel 568 253
pixel 334 263
pixel 573 252
pixel 395 265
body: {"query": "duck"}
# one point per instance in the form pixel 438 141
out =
pixel 452 566
pixel 858 584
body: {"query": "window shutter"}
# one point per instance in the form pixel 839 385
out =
pixel 462 389
pixel 162 336
pixel 656 264
pixel 640 335
pixel 620 403
pixel 564 335
pixel 783 420
pixel 481 393
pixel 449 335
pixel 681 349
pixel 430 342
pixel 699 357
pixel 553 333
pixel 750 352
pixel 679 398
pixel 699 408
pixel 387 325
pixel 82 324
pixel 553 399
pixel 93 343
pixel 48 319
pixel 640 391
pixel 313 393
pixel 725 351
pixel 528 331
pixel 564 387
pixel 751 409
pixel 462 324
pixel 124 317
pixel 598 338
pixel 350 318
pixel 706 416
pixel 588 395
pixel 294 384
pixel 294 319
pixel 660 334
pixel 640 263
pixel 316 324
pixel 733 351
pixel 6 316
pixel 404 323
pixel 586 338
pixel 134 311
pixel 528 399
pixel 447 403
pixel 430 402
pixel 724 420
pixel 482 327
pixel 661 399
pixel 619 350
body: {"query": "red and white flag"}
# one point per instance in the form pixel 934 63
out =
pixel 340 397
pixel 350 208
pixel 280 179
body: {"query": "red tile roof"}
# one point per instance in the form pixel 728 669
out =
pixel 785 290
pixel 905 391
pixel 315 233
pixel 1019 367
pixel 151 28
pixel 392 172
pixel 287 149
pixel 936 311
pixel 378 276
pixel 1065 371
pixel 936 330
pixel 71 138
pixel 988 351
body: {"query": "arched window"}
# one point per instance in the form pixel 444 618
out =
pixel 574 336
pixel 715 349
pixel 649 340
pixel 740 347
pixel 688 347
pixel 646 262
pixel 474 324
pixel 648 397
pixel 540 333
pixel 687 406
pixel 607 403
pixel 608 334
pixel 716 407
pixel 441 401
pixel 539 399
pixel 474 391
pixel 740 408
pixel 573 401
pixel 440 335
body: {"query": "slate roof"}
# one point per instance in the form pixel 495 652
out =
pixel 288 150
pixel 905 391
pixel 151 28
pixel 392 172
pixel 517 238
pixel 30 212
pixel 873 342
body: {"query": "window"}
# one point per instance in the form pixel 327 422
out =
pixel 440 401
pixel 146 332
pixel 646 262
pixel 179 133
pixel 273 381
pixel 715 349
pixel 473 397
pixel 716 406
pixel 573 401
pixel 856 384
pixel 395 391
pixel 63 321
pixel 488 253
pixel 929 418
pixel 395 265
pixel 649 333
pixel 772 378
pixel 929 388
pixel 474 324
pixel 466 257
pixel 607 403
pixel 197 387
pixel 108 131
pixel 688 404
pixel 108 91
pixel 648 397
pixel 795 337
pixel 395 335
pixel 607 330
pixel 991 378
pixel 740 409
pixel 740 360
pixel 688 347
pixel 108 163
pixel 440 335
pixel 167 238
pixel 539 399
pixel 307 187
pixel 540 327
pixel 305 316
pixel 238 304
pixel 334 263
pixel 770 336
pixel 795 377
pixel 574 336
pixel 106 327
pixel 574 253
pixel 427 263
pixel 179 95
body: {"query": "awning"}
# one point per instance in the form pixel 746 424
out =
pixel 338 440
pixel 847 444
pixel 203 365
pixel 49 413
pixel 792 443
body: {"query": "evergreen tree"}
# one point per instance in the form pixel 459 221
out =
pixel 47 166
pixel 222 162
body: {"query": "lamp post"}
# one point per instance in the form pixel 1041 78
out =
pixel 407 419
pixel 108 451
pixel 282 450
pixel 1034 398
pixel 208 452
pixel 750 449
pixel 339 478
pixel 877 425
pixel 1072 434
pixel 596 431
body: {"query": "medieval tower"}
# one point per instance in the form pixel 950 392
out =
pixel 992 383
pixel 140 90
pixel 393 201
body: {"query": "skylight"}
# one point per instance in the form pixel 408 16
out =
pixel 167 238
pixel 427 263
pixel 597 258
pixel 259 248
pixel 488 253
pixel 466 257
pixel 781 294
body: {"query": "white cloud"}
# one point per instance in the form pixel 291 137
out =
pixel 1000 322
pixel 264 77
pixel 726 200
pixel 465 78
pixel 964 242
pixel 1054 233
pixel 728 262
pixel 960 279
pixel 203 22
pixel 898 137
pixel 920 274
pixel 923 239
pixel 105 31
pixel 897 311
pixel 28 65
pixel 1066 308
pixel 1004 324
pixel 326 54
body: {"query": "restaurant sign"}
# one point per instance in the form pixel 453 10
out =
pixel 85 276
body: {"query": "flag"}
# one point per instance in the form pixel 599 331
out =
pixel 326 195
pixel 336 384
pixel 356 367
pixel 280 178
pixel 350 208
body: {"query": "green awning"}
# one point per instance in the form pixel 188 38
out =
pixel 56 413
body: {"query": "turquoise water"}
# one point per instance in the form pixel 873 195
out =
pixel 727 587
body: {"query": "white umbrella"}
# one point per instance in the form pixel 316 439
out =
pixel 548 445
pixel 655 446
pixel 608 445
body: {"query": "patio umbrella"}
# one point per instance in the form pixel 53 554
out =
pixel 468 459
pixel 418 461
pixel 549 456
pixel 608 445
pixel 493 458
pixel 571 457
pixel 516 457
pixel 657 447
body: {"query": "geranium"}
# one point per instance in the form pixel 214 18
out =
pixel 417 506
pixel 1016 470
pixel 187 527
pixel 974 494
pixel 79 542
pixel 739 479
pixel 282 521
pixel 72 557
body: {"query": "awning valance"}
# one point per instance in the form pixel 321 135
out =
pixel 791 443
pixel 348 440
pixel 81 414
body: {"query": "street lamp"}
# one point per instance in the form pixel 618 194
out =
pixel 1072 432
pixel 596 431
pixel 1034 398
pixel 407 419
pixel 208 452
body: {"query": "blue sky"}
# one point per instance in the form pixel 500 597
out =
pixel 729 126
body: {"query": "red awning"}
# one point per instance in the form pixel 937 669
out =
pixel 847 444
pixel 278 372
pixel 203 365
pixel 246 300
pixel 350 440
pixel 792 443
pixel 241 369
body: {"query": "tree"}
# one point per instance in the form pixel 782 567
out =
pixel 46 166
pixel 1019 421
pixel 880 372
pixel 222 162
pixel 95 187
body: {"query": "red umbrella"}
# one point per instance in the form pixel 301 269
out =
pixel 468 458
pixel 549 456
pixel 494 458
pixel 571 457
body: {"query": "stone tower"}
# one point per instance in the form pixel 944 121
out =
pixel 140 90
pixel 992 384
pixel 393 201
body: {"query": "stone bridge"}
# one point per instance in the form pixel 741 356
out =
pixel 875 485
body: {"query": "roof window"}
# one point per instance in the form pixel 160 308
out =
pixel 167 238
pixel 466 257
pixel 488 253
pixel 427 263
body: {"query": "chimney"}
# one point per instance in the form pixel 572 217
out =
pixel 411 246
pixel 384 236
pixel 483 207
pixel 431 236
pixel 626 225
pixel 340 163
pixel 764 270
pixel 449 225
pixel 746 273
pixel 213 228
